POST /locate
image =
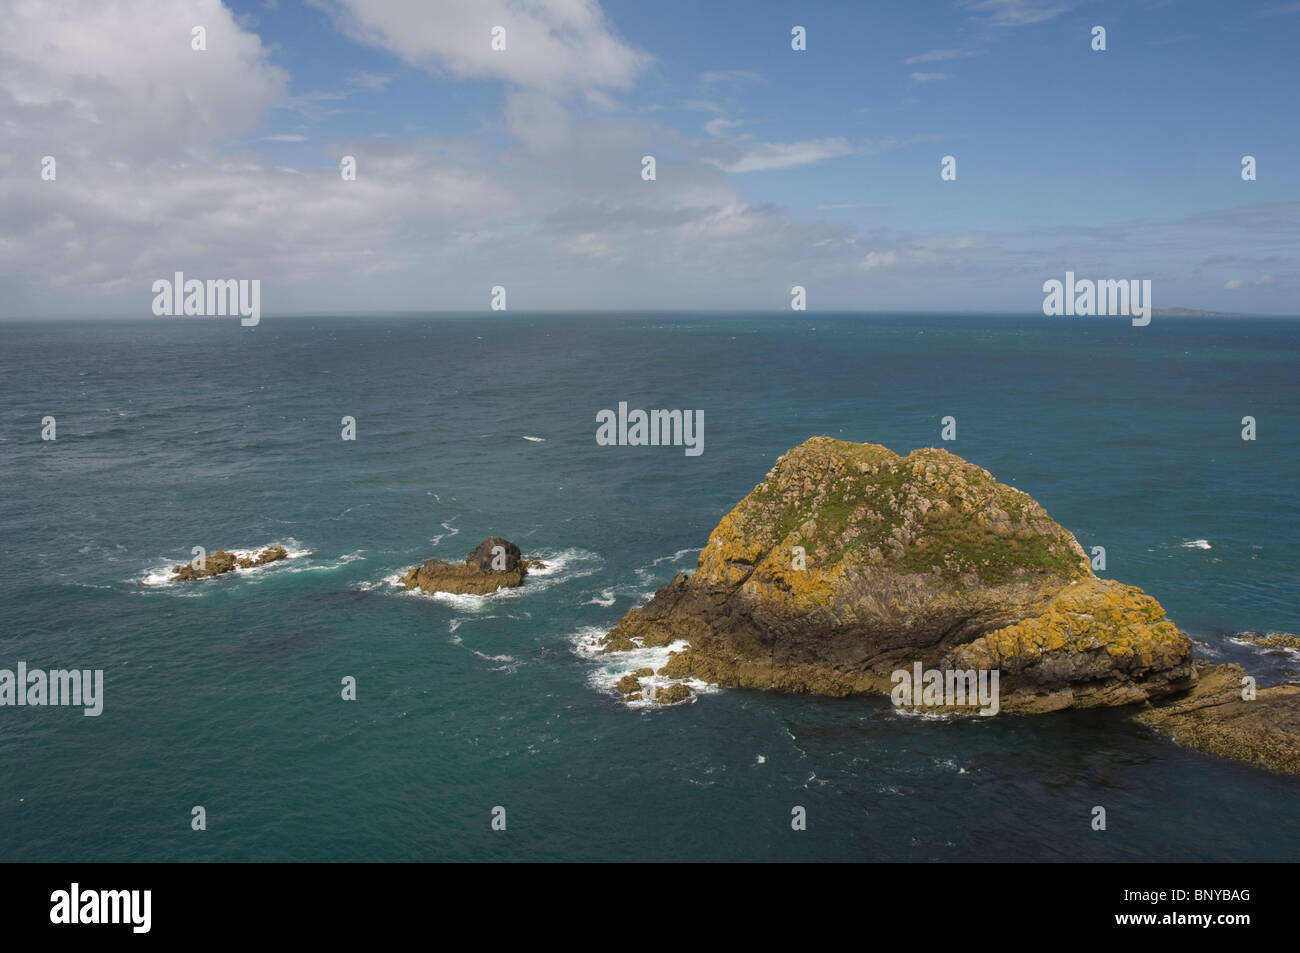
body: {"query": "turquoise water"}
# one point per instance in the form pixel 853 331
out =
pixel 226 693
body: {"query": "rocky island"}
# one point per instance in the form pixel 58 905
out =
pixel 849 563
pixel 492 564
pixel 224 561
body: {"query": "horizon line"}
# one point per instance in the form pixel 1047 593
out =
pixel 1175 312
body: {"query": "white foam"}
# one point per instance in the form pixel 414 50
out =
pixel 536 439
pixel 461 600
pixel 674 557
pixel 923 714
pixel 1238 640
pixel 949 764
pixel 388 582
pixel 162 576
pixel 586 641
pixel 1196 544
pixel 614 665
pixel 1207 649
pixel 509 662
pixel 647 573
pixel 328 566
pixel 451 531
pixel 606 598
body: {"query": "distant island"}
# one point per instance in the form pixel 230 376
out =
pixel 1193 313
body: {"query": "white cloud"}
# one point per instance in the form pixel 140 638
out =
pixel 368 82
pixel 878 259
pixel 559 214
pixel 554 45
pixel 784 155
pixel 1232 284
pixel 735 76
pixel 935 56
pixel 425 224
pixel 720 127
pixel 949 243
pixel 928 77
pixel 85 77
pixel 1018 12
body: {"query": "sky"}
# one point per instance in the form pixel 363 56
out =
pixel 522 168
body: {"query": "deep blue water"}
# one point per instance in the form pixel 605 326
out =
pixel 226 693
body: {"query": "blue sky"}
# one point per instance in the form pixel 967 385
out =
pixel 774 167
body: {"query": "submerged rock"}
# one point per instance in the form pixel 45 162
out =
pixel 1274 640
pixel 849 563
pixel 1214 717
pixel 633 690
pixel 214 564
pixel 672 693
pixel 493 564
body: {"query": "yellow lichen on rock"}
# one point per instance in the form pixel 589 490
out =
pixel 1091 615
pixel 849 561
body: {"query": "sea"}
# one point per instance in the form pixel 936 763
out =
pixel 487 728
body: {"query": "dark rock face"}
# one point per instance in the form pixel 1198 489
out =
pixel 505 554
pixel 1214 717
pixel 476 575
pixel 849 563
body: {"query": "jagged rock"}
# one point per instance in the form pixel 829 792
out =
pixel 628 684
pixel 1214 718
pixel 214 564
pixel 850 562
pixel 672 693
pixel 475 575
pixel 484 558
pixel 1273 641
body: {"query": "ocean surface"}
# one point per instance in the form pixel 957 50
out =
pixel 225 693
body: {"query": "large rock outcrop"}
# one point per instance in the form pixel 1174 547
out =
pixel 493 564
pixel 849 563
